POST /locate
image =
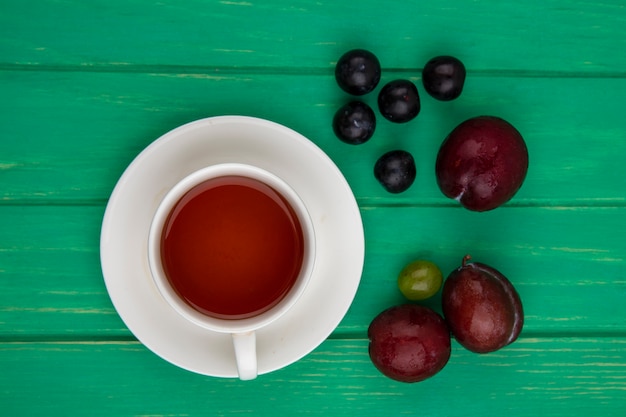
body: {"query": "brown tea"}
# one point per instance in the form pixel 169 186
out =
pixel 232 247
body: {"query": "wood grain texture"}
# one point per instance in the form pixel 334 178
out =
pixel 543 36
pixel 534 377
pixel 89 127
pixel 570 282
pixel 85 86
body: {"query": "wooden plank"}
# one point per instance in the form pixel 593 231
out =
pixel 566 263
pixel 89 127
pixel 50 274
pixel 543 36
pixel 551 376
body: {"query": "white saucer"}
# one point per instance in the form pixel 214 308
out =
pixel 275 148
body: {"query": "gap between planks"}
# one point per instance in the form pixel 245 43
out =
pixel 122 67
pixel 364 203
pixel 531 336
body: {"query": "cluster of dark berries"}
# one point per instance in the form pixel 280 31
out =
pixel 358 73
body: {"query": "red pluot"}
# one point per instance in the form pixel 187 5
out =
pixel 482 163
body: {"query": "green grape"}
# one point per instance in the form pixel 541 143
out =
pixel 420 280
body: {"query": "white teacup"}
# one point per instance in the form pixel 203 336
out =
pixel 242 329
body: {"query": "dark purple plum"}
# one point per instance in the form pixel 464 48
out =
pixel 481 307
pixel 354 123
pixel 358 72
pixel 443 77
pixel 409 342
pixel 399 101
pixel 482 163
pixel 395 171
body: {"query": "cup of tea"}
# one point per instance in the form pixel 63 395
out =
pixel 231 248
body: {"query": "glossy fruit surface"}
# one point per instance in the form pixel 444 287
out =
pixel 399 101
pixel 444 77
pixel 420 280
pixel 395 171
pixel 358 72
pixel 354 123
pixel 482 308
pixel 482 163
pixel 409 343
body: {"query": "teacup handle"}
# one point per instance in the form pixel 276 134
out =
pixel 245 354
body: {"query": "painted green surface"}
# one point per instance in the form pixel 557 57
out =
pixel 85 86
pixel 536 376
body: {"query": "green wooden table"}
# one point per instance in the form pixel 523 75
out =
pixel 86 85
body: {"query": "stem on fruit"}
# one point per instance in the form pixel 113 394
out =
pixel 466 258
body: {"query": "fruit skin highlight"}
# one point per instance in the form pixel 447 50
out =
pixel 420 280
pixel 481 307
pixel 482 163
pixel 395 171
pixel 354 123
pixel 409 343
pixel 444 77
pixel 399 101
pixel 358 72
